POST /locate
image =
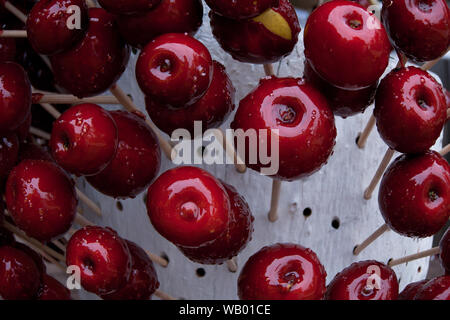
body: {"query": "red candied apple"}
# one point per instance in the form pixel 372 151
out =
pixel 343 103
pixel 7 49
pixel 233 241
pixel 15 96
pixel 103 258
pixel 435 289
pixel 242 9
pixel 188 206
pixel 143 279
pixel 9 153
pixel 414 195
pixel 301 114
pixel 37 258
pixel 265 38
pixel 19 274
pixel 444 251
pixel 420 29
pixel 212 109
pixel 364 280
pixel 96 62
pixel 41 199
pixel 136 162
pixel 84 139
pixel 410 110
pixel 282 271
pixel 51 25
pixel 52 289
pixel 174 69
pixel 128 6
pixel 170 16
pixel 411 290
pixel 346 45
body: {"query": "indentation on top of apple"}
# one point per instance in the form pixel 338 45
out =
pixel 275 23
pixel 288 111
pixel 290 274
pixel 424 97
pixel 190 211
pixel 425 5
pixel 65 141
pixel 354 20
pixel 88 265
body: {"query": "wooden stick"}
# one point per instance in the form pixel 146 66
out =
pixel 19 14
pixel 360 247
pixel 59 245
pixel 51 110
pixel 232 265
pixel 13 34
pixel 445 150
pixel 268 69
pixel 430 64
pixel 379 173
pixel 423 254
pixel 48 257
pixel 90 4
pixel 39 133
pixel 231 151
pixel 88 202
pixel 59 98
pixel 163 295
pixel 34 242
pixel 366 132
pixel 129 105
pixel 273 213
pixel 82 221
pixel 157 259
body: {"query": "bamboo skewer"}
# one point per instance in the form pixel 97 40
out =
pixel 88 202
pixel 163 296
pixel 415 256
pixel 360 247
pixel 366 132
pixel 13 34
pixel 379 173
pixel 32 241
pixel 19 14
pixel 60 98
pixel 39 133
pixel 231 151
pixel 232 265
pixel 445 150
pixel 157 259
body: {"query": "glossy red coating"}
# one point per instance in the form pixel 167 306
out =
pixel 19 275
pixel 301 114
pixel 233 241
pixel 137 160
pixel 128 6
pixel 343 103
pixel 444 251
pixel 9 153
pixel 41 199
pixel 37 258
pixel 242 9
pixel 96 62
pixel 170 16
pixel 283 271
pixel 52 289
pixel 48 25
pixel 143 279
pixel 174 69
pixel 84 139
pixel 410 109
pixel 418 28
pixel 364 280
pixel 251 41
pixel 435 289
pixel 346 45
pixel 103 258
pixel 411 290
pixel 15 96
pixel 212 109
pixel 188 206
pixel 7 49
pixel 414 194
